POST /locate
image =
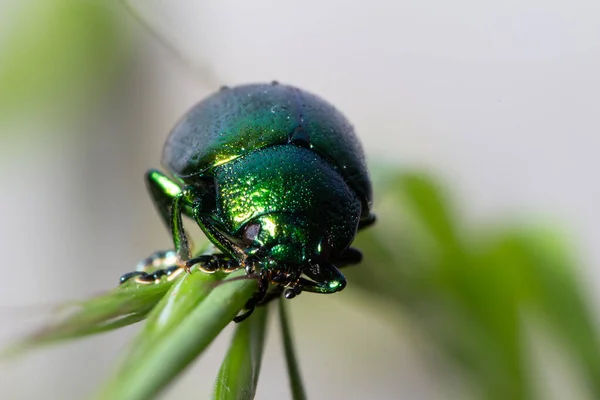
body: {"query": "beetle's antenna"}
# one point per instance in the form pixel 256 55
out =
pixel 199 70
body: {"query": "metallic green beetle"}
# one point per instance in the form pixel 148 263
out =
pixel 276 179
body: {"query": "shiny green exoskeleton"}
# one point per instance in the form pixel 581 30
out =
pixel 276 179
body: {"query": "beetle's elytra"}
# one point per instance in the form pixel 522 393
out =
pixel 276 178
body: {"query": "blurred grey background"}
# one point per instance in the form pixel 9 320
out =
pixel 497 97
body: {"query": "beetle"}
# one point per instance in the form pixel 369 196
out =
pixel 276 179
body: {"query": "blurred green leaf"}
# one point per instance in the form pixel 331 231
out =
pixel 427 202
pixel 59 53
pixel 293 368
pixel 238 376
pixel 551 286
pixel 465 289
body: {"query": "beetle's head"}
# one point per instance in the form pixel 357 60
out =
pixel 285 240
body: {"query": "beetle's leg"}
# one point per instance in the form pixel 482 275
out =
pixel 158 260
pixel 326 278
pixel 367 222
pixel 257 298
pixel 350 256
pixel 213 262
pixel 162 191
pixel 151 277
pixel 151 269
pixel 224 243
pixel 172 201
pixel 180 240
pixel 275 293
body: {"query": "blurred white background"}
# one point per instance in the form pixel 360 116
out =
pixel 499 97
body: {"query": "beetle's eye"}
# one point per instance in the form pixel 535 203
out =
pixel 250 233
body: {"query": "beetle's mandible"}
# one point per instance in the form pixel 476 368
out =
pixel 276 178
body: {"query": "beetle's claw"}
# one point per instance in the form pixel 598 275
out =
pixel 187 266
pixel 244 316
pixel 290 293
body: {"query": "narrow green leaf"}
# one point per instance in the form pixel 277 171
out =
pixel 558 294
pixel 429 204
pixel 177 337
pixel 119 307
pixel 176 304
pixel 298 392
pixel 238 375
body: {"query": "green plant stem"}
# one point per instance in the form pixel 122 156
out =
pixel 298 392
pixel 238 375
